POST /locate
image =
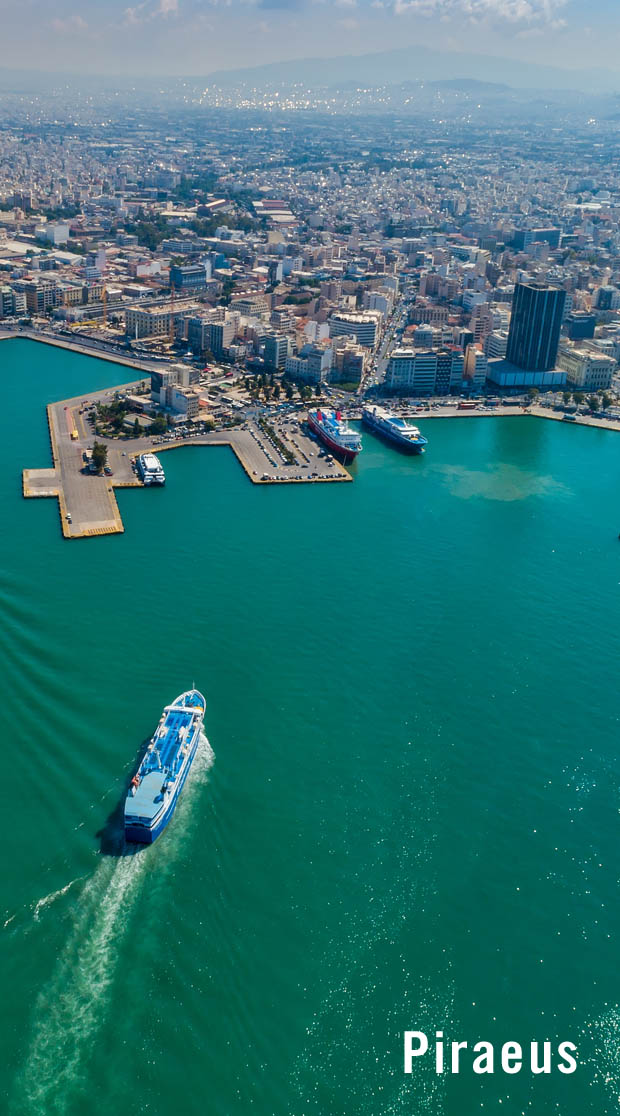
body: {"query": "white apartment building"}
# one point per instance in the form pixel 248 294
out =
pixel 586 369
pixel 475 367
pixel 378 300
pixel 363 327
pixel 57 232
pixel 312 364
pixel 152 323
pixel 496 344
pixel 425 372
pixel 473 298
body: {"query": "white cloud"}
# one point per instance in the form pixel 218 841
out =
pixel 71 24
pixel 150 9
pixel 525 12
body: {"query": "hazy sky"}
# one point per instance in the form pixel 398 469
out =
pixel 200 36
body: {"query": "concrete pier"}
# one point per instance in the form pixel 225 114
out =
pixel 87 503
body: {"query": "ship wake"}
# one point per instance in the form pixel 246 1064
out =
pixel 71 1008
pixel 47 900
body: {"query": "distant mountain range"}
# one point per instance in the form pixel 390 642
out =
pixel 419 63
pixel 413 64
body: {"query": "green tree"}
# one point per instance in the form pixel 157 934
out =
pixel 150 231
pixel 276 391
pixel 594 402
pixel 100 456
pixel 532 394
pixel 317 390
pixel 159 425
pixel 566 396
pixel 606 400
pixel 136 428
pixel 183 190
pixel 227 288
pixel 578 397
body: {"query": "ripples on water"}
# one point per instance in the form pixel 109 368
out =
pixel 347 885
pixel 383 974
pixel 72 1006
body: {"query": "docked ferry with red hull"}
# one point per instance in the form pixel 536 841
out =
pixel 344 442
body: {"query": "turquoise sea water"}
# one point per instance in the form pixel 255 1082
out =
pixel 408 814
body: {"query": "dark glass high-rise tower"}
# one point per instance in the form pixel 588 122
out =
pixel 534 333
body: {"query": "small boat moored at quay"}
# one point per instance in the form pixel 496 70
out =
pixel 155 788
pixel 397 430
pixel 344 442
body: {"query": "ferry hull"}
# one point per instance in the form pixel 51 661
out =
pixel 403 444
pixel 344 455
pixel 145 835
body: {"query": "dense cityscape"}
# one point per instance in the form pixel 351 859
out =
pixel 295 252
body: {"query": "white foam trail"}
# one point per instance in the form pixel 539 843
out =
pixel 47 900
pixel 67 1009
pixel 71 1007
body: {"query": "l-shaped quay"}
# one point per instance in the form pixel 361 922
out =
pixel 87 502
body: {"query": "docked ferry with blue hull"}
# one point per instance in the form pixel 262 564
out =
pixel 155 788
pixel 396 430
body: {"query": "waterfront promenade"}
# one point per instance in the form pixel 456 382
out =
pixel 439 411
pixel 84 346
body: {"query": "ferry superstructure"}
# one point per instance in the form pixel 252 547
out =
pixel 149 467
pixel 155 788
pixel 397 430
pixel 341 439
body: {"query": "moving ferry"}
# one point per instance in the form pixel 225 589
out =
pixel 155 788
